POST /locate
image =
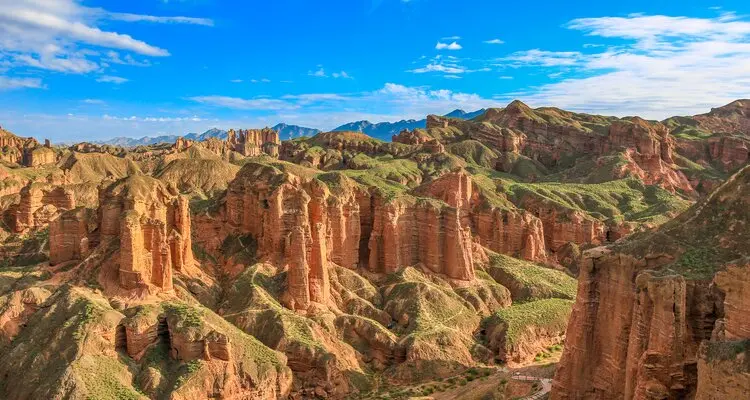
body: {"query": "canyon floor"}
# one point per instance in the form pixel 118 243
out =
pixel 606 256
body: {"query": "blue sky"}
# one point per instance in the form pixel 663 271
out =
pixel 75 70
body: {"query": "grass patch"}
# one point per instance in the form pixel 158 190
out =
pixel 528 281
pixel 550 314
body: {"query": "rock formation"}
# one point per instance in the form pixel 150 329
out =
pixel 334 265
pixel 24 151
pixel 40 203
pixel 646 306
pixel 254 142
pixel 153 224
pixel 71 236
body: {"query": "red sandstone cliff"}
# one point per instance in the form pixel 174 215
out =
pixel 646 306
pixel 254 142
pixel 40 203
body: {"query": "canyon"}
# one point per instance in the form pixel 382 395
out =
pixel 343 266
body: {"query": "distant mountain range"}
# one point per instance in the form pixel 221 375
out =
pixel 385 130
pixel 382 130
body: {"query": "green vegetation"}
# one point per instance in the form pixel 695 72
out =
pixel 186 371
pixel 686 128
pixel 528 281
pixel 183 316
pixel 617 201
pixel 105 378
pixel 549 314
pixel 696 263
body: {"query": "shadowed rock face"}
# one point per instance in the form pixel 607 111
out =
pixel 650 308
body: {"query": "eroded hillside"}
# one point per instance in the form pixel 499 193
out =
pixel 342 266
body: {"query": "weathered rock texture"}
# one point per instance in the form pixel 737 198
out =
pixel 71 236
pixel 40 203
pixel 153 225
pixel 646 306
pixel 549 135
pixel 254 142
pixel 301 224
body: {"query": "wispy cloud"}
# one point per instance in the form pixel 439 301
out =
pixel 328 110
pixel 239 103
pixel 236 81
pixel 494 41
pixel 448 46
pixel 65 36
pixel 536 57
pixel 668 65
pixel 8 83
pixel 193 118
pixel 321 73
pixel 117 80
pixel 449 65
pixel 160 20
pixel 93 101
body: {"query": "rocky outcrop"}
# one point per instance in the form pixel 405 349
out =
pixel 254 142
pixel 40 203
pixel 182 144
pixel 71 236
pixel 732 118
pixel 550 136
pixel 290 221
pixel 40 156
pixel 729 152
pixel 153 224
pixel 303 225
pixel 14 149
pixel 647 305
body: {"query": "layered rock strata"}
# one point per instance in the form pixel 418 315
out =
pixel 254 142
pixel 40 203
pixel 646 307
pixel 153 224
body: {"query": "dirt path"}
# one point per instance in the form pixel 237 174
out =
pixel 546 386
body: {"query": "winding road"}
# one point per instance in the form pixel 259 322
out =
pixel 546 386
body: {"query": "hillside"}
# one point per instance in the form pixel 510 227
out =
pixel 239 264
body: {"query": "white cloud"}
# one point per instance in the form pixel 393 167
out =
pixel 449 65
pixel 115 58
pixel 117 80
pixel 319 73
pixel 236 81
pixel 452 38
pixel 244 104
pixel 536 57
pixel 9 83
pixel 194 118
pixel 161 20
pixel 341 74
pixel 93 101
pixel 65 36
pixel 494 41
pixel 667 66
pixel 433 67
pixel 448 46
pixel 328 110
